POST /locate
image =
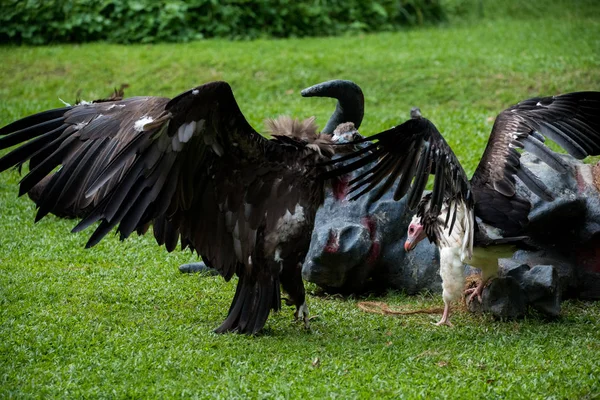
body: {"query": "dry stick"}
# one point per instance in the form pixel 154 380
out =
pixel 379 307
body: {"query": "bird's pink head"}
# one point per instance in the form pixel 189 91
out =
pixel 416 233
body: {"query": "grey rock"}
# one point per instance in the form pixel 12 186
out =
pixel 508 267
pixel 504 298
pixel 568 282
pixel 588 270
pixel 541 288
pixel 198 267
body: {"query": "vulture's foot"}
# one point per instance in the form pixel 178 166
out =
pixel 475 292
pixel 445 317
pixel 288 301
pixel 302 312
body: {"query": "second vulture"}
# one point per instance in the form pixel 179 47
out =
pixel 194 169
pixel 479 220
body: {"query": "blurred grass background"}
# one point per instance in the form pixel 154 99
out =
pixel 119 320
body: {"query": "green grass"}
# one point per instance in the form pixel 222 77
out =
pixel 119 320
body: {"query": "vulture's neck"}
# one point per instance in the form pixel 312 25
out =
pixel 304 131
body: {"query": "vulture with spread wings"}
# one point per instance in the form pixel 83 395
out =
pixel 454 214
pixel 194 169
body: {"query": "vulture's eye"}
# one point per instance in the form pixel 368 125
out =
pixel 411 230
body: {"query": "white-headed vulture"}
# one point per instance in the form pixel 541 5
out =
pixel 194 169
pixel 455 213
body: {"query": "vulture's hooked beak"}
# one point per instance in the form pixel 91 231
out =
pixel 416 233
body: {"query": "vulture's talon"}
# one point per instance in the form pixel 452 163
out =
pixel 306 322
pixel 287 301
pixel 445 317
pixel 302 311
pixel 475 292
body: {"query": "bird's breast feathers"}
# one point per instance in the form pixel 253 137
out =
pixel 461 235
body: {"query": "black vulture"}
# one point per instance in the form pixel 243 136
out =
pixel 194 169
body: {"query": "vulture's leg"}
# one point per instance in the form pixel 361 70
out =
pixel 302 311
pixel 291 282
pixel 445 316
pixel 453 279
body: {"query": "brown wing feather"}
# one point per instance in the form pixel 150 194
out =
pixel 88 137
pixel 572 120
pixel 192 166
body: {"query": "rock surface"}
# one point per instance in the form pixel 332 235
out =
pixel 540 285
pixel 199 267
pixel 503 298
pixel 518 287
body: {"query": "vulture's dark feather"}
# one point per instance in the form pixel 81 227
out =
pixel 195 169
pixel 389 182
pixel 408 153
pixel 571 120
pixel 437 195
pixel 59 185
pixel 407 171
pixel 352 155
pixel 372 176
pixel 544 153
pixel 571 145
pixel 120 159
pixel 51 193
pixel 347 168
pixel 534 183
pixel 57 149
pixel 72 187
pixel 421 176
pixel 454 215
pixel 590 144
pixel 171 236
pixel 29 127
pixel 31 148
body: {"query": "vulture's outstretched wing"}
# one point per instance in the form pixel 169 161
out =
pixel 409 152
pixel 192 166
pixel 572 120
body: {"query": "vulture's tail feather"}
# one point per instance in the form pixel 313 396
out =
pixel 253 301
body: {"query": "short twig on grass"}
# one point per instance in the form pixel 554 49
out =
pixel 379 307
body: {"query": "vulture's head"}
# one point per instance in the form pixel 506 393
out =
pixel 345 133
pixel 415 234
pixel 415 113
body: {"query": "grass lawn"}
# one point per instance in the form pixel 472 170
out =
pixel 119 320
